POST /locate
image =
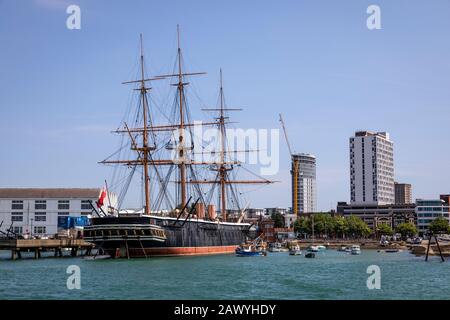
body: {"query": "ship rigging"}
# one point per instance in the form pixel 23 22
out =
pixel 161 159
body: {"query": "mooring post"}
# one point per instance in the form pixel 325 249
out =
pixel 13 254
pixel 439 247
pixel 128 253
pixel 428 247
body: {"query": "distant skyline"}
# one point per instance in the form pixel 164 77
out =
pixel 313 61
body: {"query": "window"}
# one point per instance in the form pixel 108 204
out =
pixel 40 216
pixel 17 205
pixel 63 205
pixel 40 205
pixel 63 214
pixel 85 205
pixel 18 230
pixel 16 216
pixel 40 229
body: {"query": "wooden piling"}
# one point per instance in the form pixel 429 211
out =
pixel 37 253
pixel 37 245
pixel 439 248
pixel 428 248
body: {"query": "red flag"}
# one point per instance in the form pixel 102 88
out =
pixel 101 198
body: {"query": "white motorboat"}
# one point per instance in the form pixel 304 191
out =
pixel 275 247
pixel 355 250
pixel 295 251
pixel 313 248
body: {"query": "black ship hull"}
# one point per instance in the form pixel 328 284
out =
pixel 145 236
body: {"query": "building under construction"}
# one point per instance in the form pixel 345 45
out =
pixel 303 172
pixel 304 194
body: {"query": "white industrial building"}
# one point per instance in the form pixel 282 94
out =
pixel 371 168
pixel 35 211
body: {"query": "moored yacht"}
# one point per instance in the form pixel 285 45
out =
pixel 355 249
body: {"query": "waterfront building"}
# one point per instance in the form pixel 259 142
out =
pixel 270 211
pixel 267 228
pixel 403 193
pixel 233 214
pixel 255 212
pixel 428 210
pixel 36 211
pixel 289 219
pixel 445 198
pixel 374 215
pixel 304 189
pixel 283 234
pixel 371 168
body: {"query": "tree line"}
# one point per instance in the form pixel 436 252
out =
pixel 353 226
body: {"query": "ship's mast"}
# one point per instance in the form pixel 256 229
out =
pixel 223 166
pixel 222 169
pixel 181 141
pixel 145 149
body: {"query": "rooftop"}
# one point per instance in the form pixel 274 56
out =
pixel 304 155
pixel 364 133
pixel 48 193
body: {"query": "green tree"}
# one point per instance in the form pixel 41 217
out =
pixel 320 226
pixel 302 225
pixel 406 229
pixel 365 231
pixel 439 225
pixel 340 226
pixel 357 227
pixel 278 220
pixel 384 229
pixel 323 223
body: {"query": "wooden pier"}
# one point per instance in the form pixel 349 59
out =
pixel 17 246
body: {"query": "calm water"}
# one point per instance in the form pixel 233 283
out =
pixel 332 275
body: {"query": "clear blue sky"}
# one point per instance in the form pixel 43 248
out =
pixel 314 61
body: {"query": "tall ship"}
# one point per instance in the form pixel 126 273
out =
pixel 186 188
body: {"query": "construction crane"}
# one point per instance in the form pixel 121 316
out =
pixel 294 171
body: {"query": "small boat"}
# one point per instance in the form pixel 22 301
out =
pixel 342 248
pixel 310 255
pixel 355 250
pixel 275 247
pixel 251 249
pixel 322 247
pixel 391 250
pixel 295 251
pixel 313 249
pixel 97 257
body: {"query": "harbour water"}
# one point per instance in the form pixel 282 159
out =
pixel 332 275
